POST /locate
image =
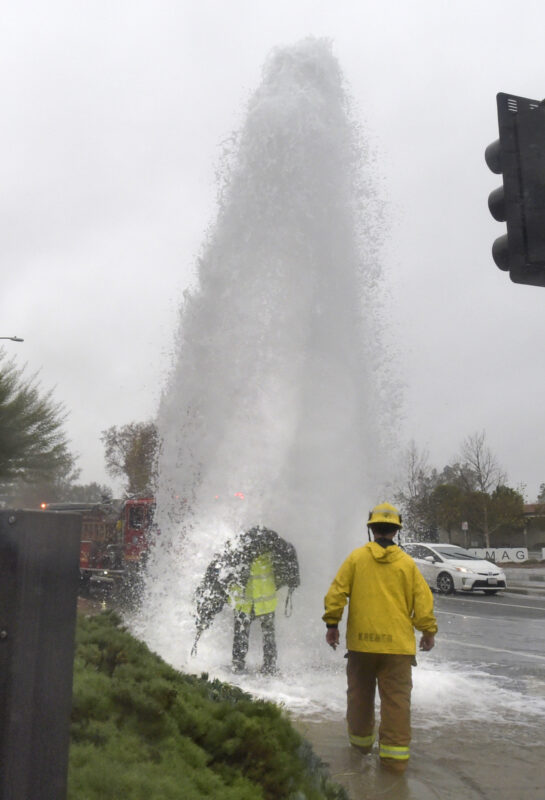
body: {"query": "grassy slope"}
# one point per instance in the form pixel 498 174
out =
pixel 143 731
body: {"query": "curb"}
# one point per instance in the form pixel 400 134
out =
pixel 514 588
pixel 519 576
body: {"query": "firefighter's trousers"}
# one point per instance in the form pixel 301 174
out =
pixel 392 674
pixel 241 639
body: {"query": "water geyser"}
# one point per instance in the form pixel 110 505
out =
pixel 274 410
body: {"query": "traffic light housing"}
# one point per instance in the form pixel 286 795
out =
pixel 519 156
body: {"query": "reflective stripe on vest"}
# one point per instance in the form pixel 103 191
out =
pixel 361 741
pixel 389 751
pixel 260 592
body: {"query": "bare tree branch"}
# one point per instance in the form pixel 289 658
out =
pixel 481 464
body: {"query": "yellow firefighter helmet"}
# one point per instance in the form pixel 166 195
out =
pixel 385 512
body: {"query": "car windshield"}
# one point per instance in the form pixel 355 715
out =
pixel 457 553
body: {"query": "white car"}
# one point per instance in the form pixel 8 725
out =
pixel 449 568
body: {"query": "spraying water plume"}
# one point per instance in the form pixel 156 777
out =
pixel 272 413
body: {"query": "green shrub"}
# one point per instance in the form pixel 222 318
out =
pixel 141 730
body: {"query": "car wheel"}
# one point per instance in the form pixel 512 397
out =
pixel 445 584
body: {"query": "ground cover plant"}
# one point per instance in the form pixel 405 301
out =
pixel 141 730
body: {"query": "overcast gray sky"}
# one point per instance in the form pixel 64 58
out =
pixel 113 115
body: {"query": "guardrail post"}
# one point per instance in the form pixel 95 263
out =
pixel 39 560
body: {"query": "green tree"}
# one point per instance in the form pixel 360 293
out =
pixel 477 472
pixel 33 443
pixel 506 511
pixel 87 493
pixel 62 490
pixel 475 507
pixel 447 502
pixel 54 489
pixel 130 453
pixel 501 511
pixel 472 489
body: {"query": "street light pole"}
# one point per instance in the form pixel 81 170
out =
pixel 12 338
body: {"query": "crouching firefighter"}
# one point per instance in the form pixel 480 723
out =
pixel 247 575
pixel 389 598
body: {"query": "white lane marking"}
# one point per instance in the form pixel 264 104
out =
pixel 501 605
pixel 473 616
pixel 494 649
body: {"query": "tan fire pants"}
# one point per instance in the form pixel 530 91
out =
pixel 392 674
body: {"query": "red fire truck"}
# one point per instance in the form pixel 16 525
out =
pixel 115 539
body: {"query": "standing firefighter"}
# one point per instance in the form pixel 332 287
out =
pixel 388 599
pixel 248 576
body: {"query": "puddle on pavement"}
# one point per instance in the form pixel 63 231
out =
pixel 458 763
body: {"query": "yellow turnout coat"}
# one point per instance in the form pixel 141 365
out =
pixel 388 599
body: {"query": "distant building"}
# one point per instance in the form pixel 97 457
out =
pixel 534 526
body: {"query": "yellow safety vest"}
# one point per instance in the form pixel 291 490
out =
pixel 260 591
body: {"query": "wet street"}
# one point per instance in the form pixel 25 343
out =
pixel 478 710
pixel 508 627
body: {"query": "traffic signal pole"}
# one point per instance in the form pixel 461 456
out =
pixel 39 560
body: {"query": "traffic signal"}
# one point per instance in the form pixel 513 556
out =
pixel 519 156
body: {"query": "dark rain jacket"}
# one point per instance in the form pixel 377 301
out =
pixel 232 567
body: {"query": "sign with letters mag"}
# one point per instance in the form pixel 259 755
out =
pixel 501 554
